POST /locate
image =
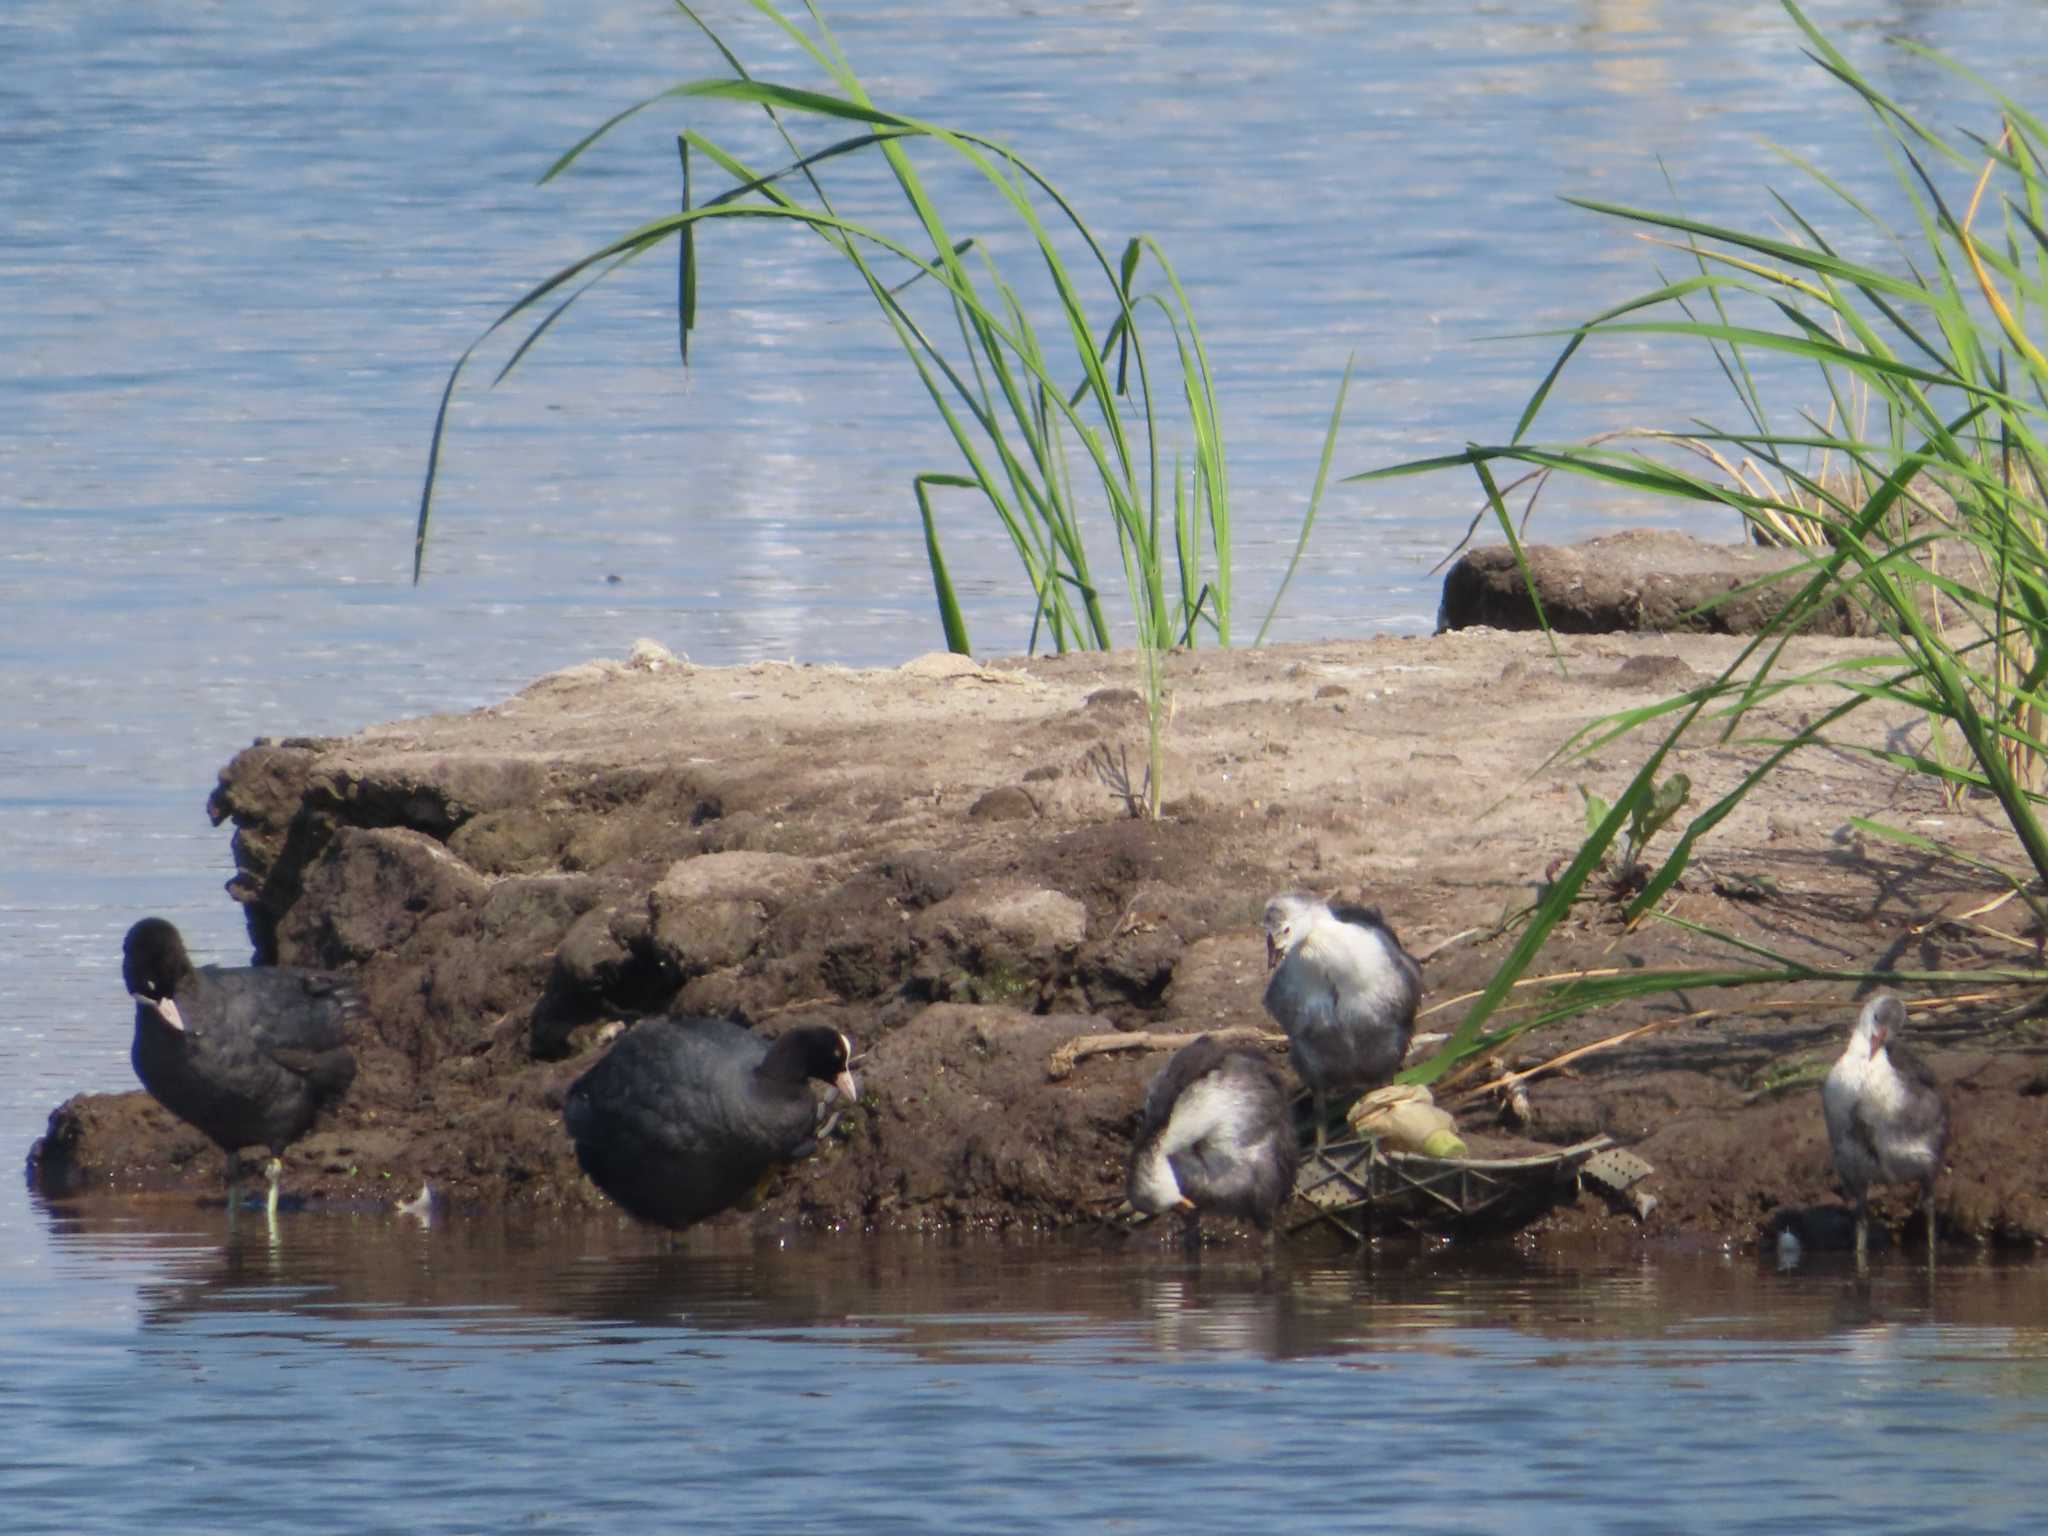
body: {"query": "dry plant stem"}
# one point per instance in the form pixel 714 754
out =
pixel 1788 518
pixel 1423 957
pixel 1063 1059
pixel 1968 921
pixel 1992 296
pixel 1526 981
pixel 1507 1164
pixel 1949 1001
pixel 1983 931
pixel 1509 1079
pixel 1115 775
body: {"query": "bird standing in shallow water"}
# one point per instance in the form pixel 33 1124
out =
pixel 247 1056
pixel 683 1117
pixel 1215 1137
pixel 1344 990
pixel 1886 1120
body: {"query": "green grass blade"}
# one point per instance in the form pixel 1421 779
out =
pixel 1315 497
pixel 942 584
pixel 686 263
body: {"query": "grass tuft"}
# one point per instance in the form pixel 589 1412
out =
pixel 1917 483
pixel 1110 373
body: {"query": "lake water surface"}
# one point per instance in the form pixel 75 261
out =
pixel 359 1373
pixel 241 245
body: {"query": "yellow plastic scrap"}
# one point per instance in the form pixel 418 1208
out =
pixel 1404 1117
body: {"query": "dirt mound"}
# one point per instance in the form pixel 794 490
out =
pixel 939 860
pixel 1641 580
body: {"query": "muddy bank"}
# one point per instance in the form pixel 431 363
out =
pixel 939 860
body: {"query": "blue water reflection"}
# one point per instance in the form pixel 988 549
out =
pixel 363 1373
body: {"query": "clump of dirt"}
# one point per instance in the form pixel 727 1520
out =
pixel 939 860
pixel 1641 580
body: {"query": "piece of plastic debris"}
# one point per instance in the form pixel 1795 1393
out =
pixel 1405 1116
pixel 1617 1171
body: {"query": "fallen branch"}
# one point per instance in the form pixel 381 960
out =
pixel 1064 1057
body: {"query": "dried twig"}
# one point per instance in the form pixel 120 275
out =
pixel 1423 957
pixel 1526 981
pixel 1509 1080
pixel 1115 774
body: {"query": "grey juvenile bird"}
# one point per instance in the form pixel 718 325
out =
pixel 1215 1137
pixel 1886 1119
pixel 1344 990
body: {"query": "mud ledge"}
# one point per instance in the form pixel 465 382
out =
pixel 1640 581
pixel 937 859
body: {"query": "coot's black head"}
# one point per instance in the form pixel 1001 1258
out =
pixel 154 964
pixel 813 1051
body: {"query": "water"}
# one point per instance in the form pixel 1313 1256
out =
pixel 361 1374
pixel 243 243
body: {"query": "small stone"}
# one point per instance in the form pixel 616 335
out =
pixel 1005 803
pixel 1114 699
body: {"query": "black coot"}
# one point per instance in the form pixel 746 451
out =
pixel 683 1117
pixel 248 1056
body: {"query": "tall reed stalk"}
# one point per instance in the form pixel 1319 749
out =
pixel 1020 404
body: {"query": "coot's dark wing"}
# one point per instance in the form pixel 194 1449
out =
pixel 1274 1157
pixel 261 1052
pixel 675 1125
pixel 1361 917
pixel 1301 998
pixel 1860 1135
pixel 1924 1115
pixel 302 1021
pixel 1245 1067
pixel 1378 1020
pixel 741 1114
pixel 1248 1070
pixel 1371 917
pixel 656 1088
pixel 634 1136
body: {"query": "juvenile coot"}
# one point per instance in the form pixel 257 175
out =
pixel 1886 1119
pixel 1344 990
pixel 682 1117
pixel 1215 1137
pixel 248 1056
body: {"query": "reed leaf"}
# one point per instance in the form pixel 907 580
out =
pixel 1021 397
pixel 1927 513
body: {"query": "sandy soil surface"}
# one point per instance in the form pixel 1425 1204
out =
pixel 940 860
